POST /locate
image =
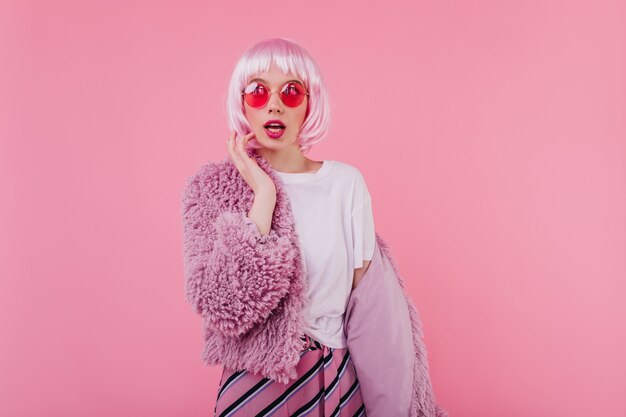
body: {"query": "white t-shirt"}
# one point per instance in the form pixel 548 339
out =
pixel 332 210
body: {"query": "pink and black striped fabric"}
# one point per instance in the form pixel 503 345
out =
pixel 326 386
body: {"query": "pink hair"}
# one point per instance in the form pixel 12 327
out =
pixel 291 58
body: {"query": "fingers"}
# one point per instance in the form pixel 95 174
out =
pixel 241 146
pixel 230 144
pixel 248 137
pixel 236 148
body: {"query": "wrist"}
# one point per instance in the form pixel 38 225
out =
pixel 266 192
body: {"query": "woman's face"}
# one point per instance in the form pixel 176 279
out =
pixel 275 109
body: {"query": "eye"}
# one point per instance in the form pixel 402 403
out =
pixel 255 89
pixel 291 89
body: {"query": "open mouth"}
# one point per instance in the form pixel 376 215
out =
pixel 274 127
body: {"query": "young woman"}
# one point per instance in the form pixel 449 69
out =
pixel 278 107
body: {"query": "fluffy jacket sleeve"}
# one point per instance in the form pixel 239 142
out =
pixel 234 276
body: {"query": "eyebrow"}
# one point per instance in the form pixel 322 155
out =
pixel 289 81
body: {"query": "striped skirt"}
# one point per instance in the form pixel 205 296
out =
pixel 327 385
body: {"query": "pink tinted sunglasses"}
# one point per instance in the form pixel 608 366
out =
pixel 257 95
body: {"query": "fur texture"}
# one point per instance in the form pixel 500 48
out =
pixel 424 403
pixel 236 278
pixel 250 289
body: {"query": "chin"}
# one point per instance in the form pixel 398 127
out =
pixel 267 143
pixel 274 142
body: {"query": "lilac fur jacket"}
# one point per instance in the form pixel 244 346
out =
pixel 250 289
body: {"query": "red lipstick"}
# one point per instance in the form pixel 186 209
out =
pixel 274 128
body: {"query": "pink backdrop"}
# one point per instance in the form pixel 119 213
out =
pixel 499 125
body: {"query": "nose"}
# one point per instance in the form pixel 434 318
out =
pixel 275 104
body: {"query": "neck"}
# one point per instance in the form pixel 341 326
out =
pixel 286 160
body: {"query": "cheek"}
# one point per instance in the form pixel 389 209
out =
pixel 303 115
pixel 305 112
pixel 251 116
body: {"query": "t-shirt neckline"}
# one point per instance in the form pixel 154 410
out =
pixel 291 177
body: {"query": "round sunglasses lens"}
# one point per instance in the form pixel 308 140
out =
pixel 256 95
pixel 292 94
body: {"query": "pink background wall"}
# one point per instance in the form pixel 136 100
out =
pixel 500 125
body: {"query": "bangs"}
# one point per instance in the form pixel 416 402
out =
pixel 286 58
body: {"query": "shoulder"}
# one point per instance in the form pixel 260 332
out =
pixel 209 181
pixel 348 171
pixel 211 174
pixel 351 174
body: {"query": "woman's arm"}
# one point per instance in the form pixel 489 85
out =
pixel 358 273
pixel 234 275
pixel 262 210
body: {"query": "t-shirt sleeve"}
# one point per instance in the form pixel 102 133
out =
pixel 363 235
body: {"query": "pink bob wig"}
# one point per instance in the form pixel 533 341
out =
pixel 292 59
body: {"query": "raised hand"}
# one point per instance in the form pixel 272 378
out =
pixel 251 172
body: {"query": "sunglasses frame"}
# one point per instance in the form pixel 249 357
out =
pixel 275 91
